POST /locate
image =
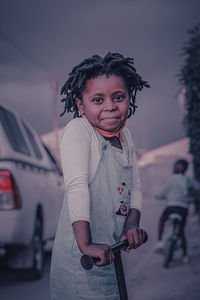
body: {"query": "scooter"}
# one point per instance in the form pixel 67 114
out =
pixel 87 263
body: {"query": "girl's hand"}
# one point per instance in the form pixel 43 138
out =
pixel 132 232
pixel 84 241
pixel 135 236
pixel 102 252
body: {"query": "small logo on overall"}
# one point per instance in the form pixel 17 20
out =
pixel 124 192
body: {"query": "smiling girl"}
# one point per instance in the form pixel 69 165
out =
pixel 103 196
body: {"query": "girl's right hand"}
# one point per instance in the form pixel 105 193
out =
pixel 83 237
pixel 102 252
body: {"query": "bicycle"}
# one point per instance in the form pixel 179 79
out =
pixel 172 240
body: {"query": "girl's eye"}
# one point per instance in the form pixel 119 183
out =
pixel 119 97
pixel 97 100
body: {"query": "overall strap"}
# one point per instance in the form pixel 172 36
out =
pixel 105 144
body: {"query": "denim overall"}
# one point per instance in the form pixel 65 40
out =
pixel 109 205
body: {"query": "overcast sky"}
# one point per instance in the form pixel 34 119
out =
pixel 40 38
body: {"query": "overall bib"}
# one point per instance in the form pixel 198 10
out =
pixel 109 205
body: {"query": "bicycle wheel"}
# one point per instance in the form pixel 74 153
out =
pixel 169 251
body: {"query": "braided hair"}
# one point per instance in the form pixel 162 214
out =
pixel 111 64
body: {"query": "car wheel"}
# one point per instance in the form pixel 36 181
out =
pixel 38 252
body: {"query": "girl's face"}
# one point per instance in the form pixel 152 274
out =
pixel 105 102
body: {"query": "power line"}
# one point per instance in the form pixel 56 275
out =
pixel 24 52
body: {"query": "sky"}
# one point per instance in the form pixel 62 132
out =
pixel 41 41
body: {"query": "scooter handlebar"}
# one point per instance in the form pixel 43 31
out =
pixel 87 261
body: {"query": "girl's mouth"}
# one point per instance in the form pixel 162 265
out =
pixel 111 118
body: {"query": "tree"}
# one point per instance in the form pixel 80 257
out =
pixel 189 77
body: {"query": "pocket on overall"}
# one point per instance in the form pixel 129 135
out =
pixel 102 280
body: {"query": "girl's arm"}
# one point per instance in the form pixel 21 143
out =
pixel 136 189
pixel 75 152
pixel 75 156
pixel 84 242
pixel 131 231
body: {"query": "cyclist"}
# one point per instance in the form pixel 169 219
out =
pixel 176 192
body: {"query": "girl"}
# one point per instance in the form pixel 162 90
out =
pixel 102 187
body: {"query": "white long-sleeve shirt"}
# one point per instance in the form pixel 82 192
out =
pixel 176 190
pixel 80 157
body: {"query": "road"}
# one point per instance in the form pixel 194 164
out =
pixel 145 276
pixel 17 285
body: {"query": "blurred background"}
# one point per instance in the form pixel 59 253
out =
pixel 41 41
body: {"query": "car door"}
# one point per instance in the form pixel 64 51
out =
pixel 44 182
pixel 57 186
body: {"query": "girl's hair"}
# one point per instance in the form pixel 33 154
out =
pixel 111 64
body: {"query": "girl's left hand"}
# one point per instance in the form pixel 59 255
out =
pixel 135 236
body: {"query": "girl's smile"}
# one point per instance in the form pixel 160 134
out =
pixel 105 102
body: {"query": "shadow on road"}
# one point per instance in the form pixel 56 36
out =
pixel 10 276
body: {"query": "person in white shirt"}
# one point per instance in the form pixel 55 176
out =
pixel 176 191
pixel 103 195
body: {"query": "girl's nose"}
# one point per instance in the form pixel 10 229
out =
pixel 110 105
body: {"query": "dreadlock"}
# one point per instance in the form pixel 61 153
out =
pixel 111 64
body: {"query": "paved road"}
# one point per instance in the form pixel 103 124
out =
pixel 146 278
pixel 16 285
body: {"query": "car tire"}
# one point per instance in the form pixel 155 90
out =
pixel 38 252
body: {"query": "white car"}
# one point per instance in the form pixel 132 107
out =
pixel 31 193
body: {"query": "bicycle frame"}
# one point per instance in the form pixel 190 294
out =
pixel 172 239
pixel 175 230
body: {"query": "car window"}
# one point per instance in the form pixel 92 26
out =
pixel 13 131
pixel 52 159
pixel 33 142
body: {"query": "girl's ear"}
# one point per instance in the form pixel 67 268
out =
pixel 80 106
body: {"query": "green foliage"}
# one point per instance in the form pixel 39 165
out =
pixel 189 77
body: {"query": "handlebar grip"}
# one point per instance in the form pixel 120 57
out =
pixel 87 261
